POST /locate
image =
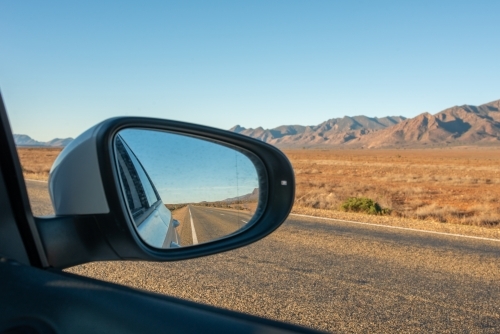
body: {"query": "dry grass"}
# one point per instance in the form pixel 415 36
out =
pixel 459 185
pixel 36 162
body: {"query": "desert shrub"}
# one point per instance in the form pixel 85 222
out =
pixel 487 220
pixel 443 214
pixel 363 204
pixel 173 207
pixel 482 215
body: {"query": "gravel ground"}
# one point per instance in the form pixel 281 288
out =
pixel 334 276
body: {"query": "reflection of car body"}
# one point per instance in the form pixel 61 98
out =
pixel 152 219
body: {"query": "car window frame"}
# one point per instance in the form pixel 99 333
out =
pixel 147 207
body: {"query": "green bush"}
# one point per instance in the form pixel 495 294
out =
pixel 363 204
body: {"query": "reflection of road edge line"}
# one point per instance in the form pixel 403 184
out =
pixel 195 238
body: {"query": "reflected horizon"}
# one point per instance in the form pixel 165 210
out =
pixel 191 170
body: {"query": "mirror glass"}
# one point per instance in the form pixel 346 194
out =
pixel 182 190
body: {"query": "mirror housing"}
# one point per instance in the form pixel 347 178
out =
pixel 92 221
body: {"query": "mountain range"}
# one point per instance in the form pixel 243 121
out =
pixel 25 140
pixel 253 196
pixel 458 125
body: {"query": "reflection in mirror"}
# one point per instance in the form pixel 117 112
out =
pixel 183 190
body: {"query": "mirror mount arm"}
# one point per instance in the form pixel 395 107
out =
pixel 73 240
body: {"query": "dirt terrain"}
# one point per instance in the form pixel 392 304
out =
pixel 36 162
pixel 458 185
pixel 449 185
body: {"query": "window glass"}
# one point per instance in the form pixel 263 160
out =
pixel 134 191
pixel 146 183
pixel 135 169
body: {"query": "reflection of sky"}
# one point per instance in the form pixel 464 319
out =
pixel 190 170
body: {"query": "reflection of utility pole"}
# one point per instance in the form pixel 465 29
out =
pixel 237 187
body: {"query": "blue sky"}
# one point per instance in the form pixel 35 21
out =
pixel 65 66
pixel 194 176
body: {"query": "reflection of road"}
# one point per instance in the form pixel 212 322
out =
pixel 203 224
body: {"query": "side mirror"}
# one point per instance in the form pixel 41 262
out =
pixel 151 189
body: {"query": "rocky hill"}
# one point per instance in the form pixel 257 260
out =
pixel 25 140
pixel 251 197
pixel 459 125
pixel 335 131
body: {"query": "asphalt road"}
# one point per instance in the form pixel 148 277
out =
pixel 335 276
pixel 203 224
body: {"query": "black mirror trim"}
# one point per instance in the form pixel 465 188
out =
pixel 276 209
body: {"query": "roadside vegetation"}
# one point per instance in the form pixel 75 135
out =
pixel 363 205
pixel 173 207
pixel 241 205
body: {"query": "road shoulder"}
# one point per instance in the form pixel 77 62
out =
pixel 424 225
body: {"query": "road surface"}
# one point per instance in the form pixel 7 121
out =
pixel 335 276
pixel 202 224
